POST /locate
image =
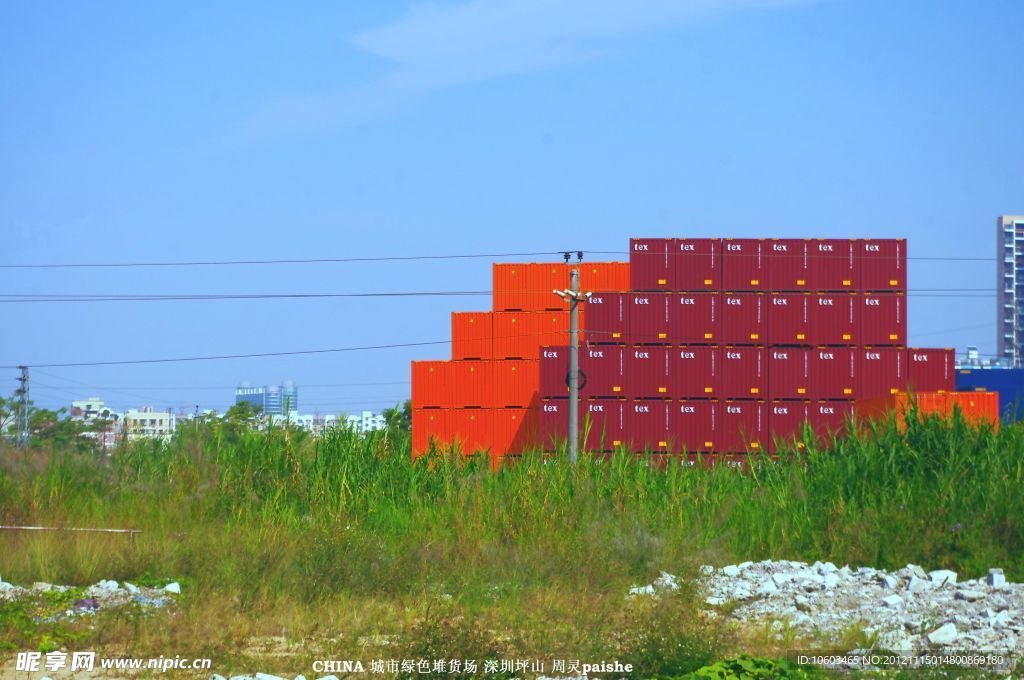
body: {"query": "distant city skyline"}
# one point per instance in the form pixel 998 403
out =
pixel 468 127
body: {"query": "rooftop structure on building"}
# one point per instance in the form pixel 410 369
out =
pixel 276 400
pixel 1010 287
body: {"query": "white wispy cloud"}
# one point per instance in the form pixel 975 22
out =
pixel 440 45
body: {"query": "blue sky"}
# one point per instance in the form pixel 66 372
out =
pixel 163 131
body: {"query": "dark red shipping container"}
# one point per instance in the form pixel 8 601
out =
pixel 883 264
pixel 835 319
pixel 881 371
pixel 695 371
pixel 744 264
pixel 647 372
pixel 603 368
pixel 931 370
pixel 649 318
pixel 829 417
pixel 744 373
pixel 789 318
pixel 834 264
pixel 554 371
pixel 788 264
pixel 786 424
pixel 883 319
pixel 553 423
pixel 698 264
pixel 608 317
pixel 744 427
pixel 744 319
pixel 789 372
pixel 695 317
pixel 647 424
pixel 603 424
pixel 693 425
pixel 833 373
pixel 650 264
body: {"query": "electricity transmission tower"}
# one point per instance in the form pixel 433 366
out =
pixel 23 410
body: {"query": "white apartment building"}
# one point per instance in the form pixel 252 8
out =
pixel 146 422
pixel 367 422
pixel 93 411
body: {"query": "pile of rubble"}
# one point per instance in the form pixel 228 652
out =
pixel 102 595
pixel 907 610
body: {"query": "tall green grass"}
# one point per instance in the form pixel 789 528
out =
pixel 278 519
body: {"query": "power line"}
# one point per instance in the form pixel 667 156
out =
pixel 226 387
pixel 320 260
pixel 42 297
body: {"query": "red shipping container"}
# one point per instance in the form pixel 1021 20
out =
pixel 833 373
pixel 472 429
pixel 694 317
pixel 553 423
pixel 430 425
pixel 883 319
pixel 548 277
pixel 472 384
pixel 472 335
pixel 647 425
pixel 976 408
pixel 789 318
pixel 613 276
pixel 698 264
pixel 432 384
pixel 508 287
pixel 693 425
pixel 743 318
pixel 835 319
pixel 603 371
pixel 931 370
pixel 881 371
pixel 554 372
pixel 744 426
pixel 649 318
pixel 514 336
pixel 647 372
pixel 788 264
pixel 744 372
pixel 608 317
pixel 744 264
pixel 883 264
pixel 786 421
pixel 789 372
pixel 696 371
pixel 650 264
pixel 834 264
pixel 602 424
pixel 516 383
pixel 828 418
pixel 515 430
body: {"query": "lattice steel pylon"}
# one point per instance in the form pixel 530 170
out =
pixel 23 408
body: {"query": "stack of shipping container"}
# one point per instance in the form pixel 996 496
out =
pixel 732 345
pixel 487 396
pixel 703 346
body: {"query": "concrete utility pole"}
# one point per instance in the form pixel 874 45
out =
pixel 574 297
pixel 23 412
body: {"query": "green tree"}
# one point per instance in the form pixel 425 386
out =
pixel 8 407
pixel 400 417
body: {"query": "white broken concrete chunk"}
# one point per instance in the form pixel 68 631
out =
pixel 942 577
pixel 943 635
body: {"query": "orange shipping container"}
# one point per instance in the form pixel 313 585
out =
pixel 430 424
pixel 976 407
pixel 515 430
pixel 472 335
pixel 431 384
pixel 514 336
pixel 528 287
pixel 471 429
pixel 602 276
pixel 516 383
pixel 472 384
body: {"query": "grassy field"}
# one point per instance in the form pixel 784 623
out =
pixel 290 548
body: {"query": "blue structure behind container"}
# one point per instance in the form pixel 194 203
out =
pixel 1008 382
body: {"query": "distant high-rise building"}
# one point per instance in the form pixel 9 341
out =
pixel 275 400
pixel 1010 284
